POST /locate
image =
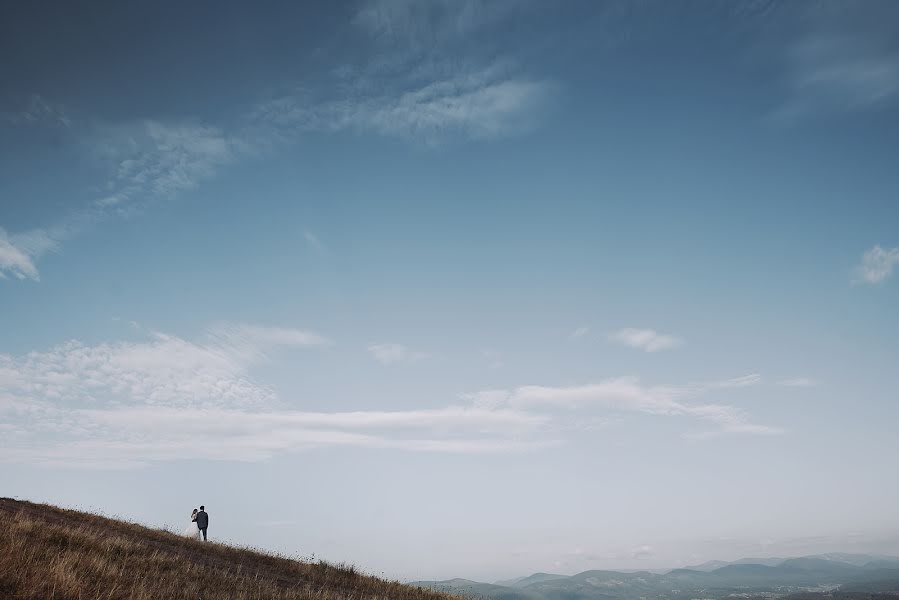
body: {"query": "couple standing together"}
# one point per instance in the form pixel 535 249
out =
pixel 199 522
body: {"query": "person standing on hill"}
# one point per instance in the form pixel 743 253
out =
pixel 192 532
pixel 202 521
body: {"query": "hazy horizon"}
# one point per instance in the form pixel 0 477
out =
pixel 457 288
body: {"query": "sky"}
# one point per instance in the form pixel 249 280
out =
pixel 456 288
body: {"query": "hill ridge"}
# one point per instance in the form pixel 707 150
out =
pixel 51 552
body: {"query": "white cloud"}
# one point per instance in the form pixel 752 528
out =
pixel 413 82
pixel 736 382
pixel 390 354
pixel 158 159
pixel 15 260
pixel 217 420
pixel 647 340
pixel 165 370
pixel 482 105
pixel 628 394
pixel 252 341
pixel 847 71
pixel 877 265
pixel 492 399
pixel 578 333
pixel 130 454
pixel 126 404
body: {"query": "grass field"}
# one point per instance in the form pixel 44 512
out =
pixel 51 553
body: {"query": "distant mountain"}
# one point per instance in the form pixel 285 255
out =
pixel 746 579
pixel 768 562
pixel 709 565
pixel 476 589
pixel 859 560
pixel 815 563
pixel 510 582
pixel 536 578
pixel 717 564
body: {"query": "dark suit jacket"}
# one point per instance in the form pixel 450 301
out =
pixel 202 520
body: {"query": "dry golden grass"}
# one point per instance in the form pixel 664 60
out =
pixel 51 553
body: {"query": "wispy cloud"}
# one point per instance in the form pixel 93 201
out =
pixel 480 105
pixel 130 403
pixel 391 354
pixel 421 78
pixel 165 370
pixel 127 404
pixel 419 26
pixel 157 159
pixel 628 394
pixel 734 382
pixel 843 71
pixel 410 82
pixel 37 110
pixel 647 340
pixel 313 242
pixel 16 260
pixel 146 161
pixel 578 333
pixel 876 265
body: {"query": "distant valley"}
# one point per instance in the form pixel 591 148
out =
pixel 825 575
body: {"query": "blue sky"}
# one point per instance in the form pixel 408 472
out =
pixel 457 288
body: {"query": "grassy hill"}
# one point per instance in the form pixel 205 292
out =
pixel 50 553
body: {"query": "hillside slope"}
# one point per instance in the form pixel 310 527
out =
pixel 51 553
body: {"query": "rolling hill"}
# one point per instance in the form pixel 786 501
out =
pixel 822 576
pixel 51 553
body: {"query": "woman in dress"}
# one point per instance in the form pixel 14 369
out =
pixel 192 531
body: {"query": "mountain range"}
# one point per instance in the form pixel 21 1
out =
pixel 819 575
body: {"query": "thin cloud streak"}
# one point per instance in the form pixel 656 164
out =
pixel 313 242
pixel 628 394
pixel 840 71
pixel 578 333
pixel 476 106
pixel 392 354
pixel 647 340
pixel 38 111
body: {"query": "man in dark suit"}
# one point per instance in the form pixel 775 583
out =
pixel 202 521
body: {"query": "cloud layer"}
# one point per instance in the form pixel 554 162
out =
pixel 126 404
